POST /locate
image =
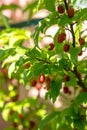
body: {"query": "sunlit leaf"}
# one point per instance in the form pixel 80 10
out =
pixel 55 89
pixel 50 4
pixel 46 120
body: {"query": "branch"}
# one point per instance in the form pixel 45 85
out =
pixel 83 31
pixel 23 24
pixel 71 25
pixel 45 61
pixel 73 34
pixel 80 83
pixel 67 29
pixel 66 5
pixel 83 106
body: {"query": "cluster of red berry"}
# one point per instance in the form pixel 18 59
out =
pixel 66 88
pixel 61 37
pixel 70 11
pixel 39 82
pixel 21 116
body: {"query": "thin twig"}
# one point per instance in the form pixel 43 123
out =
pixel 66 5
pixel 71 25
pixel 80 83
pixel 67 29
pixel 83 31
pixel 73 34
pixel 45 61
pixel 83 106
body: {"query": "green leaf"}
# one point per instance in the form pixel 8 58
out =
pixel 65 20
pixel 79 3
pixel 68 112
pixel 24 76
pixel 55 89
pixel 50 5
pixel 78 16
pixel 48 22
pixel 31 5
pixel 82 66
pixel 36 35
pixel 74 54
pixel 77 30
pixel 11 69
pixel 81 98
pixel 8 128
pixel 10 59
pixel 58 47
pixel 64 63
pixel 72 81
pixel 79 124
pixel 5 53
pixel 17 37
pixel 4 20
pixel 11 6
pixel 5 111
pixel 35 70
pixel 46 120
pixel 41 113
pixel 14 37
pixel 82 15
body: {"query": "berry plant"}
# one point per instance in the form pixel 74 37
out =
pixel 60 68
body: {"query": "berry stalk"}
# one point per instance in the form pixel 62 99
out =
pixel 71 25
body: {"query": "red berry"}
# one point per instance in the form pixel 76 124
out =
pixel 47 83
pixel 61 37
pixel 47 79
pixel 20 116
pixel 60 9
pixel 33 83
pixel 51 46
pixel 66 78
pixel 66 47
pixel 27 65
pixel 4 71
pixel 41 78
pixel 15 98
pixel 15 124
pixel 70 12
pixel 66 89
pixel 81 41
pixel 69 92
pixel 38 86
pixel 11 112
pixel 80 54
pixel 32 124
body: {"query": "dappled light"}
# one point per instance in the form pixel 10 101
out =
pixel 43 65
